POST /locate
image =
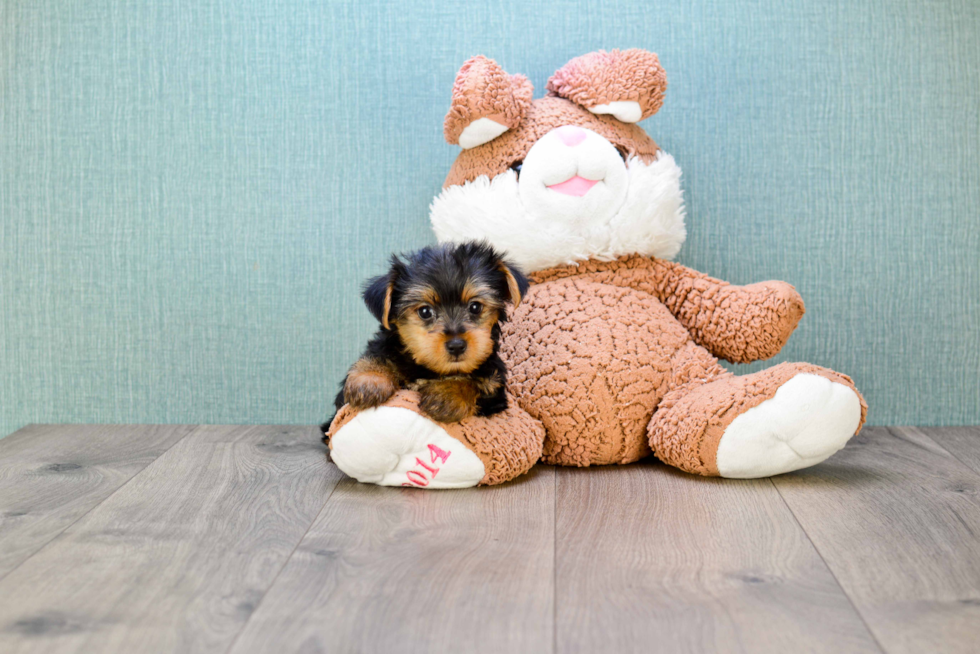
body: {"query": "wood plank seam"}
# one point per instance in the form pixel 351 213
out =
pixel 690 565
pixel 55 536
pixel 243 492
pixel 385 569
pixel 833 574
pixel 891 430
pixel 899 523
pixel 285 562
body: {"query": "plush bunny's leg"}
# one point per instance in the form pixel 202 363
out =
pixel 396 445
pixel 787 417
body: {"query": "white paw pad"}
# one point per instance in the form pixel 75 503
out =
pixel 807 420
pixel 392 446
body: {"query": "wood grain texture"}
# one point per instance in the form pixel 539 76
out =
pixel 962 442
pixel 402 570
pixel 897 519
pixel 217 539
pixel 176 560
pixel 651 558
pixel 50 475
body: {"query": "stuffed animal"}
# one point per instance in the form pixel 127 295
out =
pixel 613 353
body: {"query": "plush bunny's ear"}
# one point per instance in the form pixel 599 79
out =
pixel 628 84
pixel 486 103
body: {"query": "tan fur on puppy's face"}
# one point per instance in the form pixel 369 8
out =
pixel 475 291
pixel 426 343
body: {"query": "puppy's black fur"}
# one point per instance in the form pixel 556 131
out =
pixel 430 304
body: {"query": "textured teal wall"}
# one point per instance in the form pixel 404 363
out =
pixel 191 192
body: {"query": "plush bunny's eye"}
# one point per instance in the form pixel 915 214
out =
pixel 516 166
pixel 623 154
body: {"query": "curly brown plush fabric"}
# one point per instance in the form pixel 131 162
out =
pixel 689 423
pixel 616 76
pixel 484 90
pixel 717 314
pixel 598 350
pixel 592 361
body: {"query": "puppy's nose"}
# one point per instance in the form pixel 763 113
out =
pixel 456 346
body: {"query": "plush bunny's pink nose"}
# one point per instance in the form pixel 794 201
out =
pixel 570 135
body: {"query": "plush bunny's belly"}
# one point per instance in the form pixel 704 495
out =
pixel 592 362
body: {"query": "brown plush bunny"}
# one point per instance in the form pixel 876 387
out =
pixel 614 351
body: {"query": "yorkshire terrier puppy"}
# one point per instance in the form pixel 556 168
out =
pixel 440 312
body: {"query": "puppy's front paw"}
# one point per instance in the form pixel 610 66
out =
pixel 448 400
pixel 368 385
pixel 366 391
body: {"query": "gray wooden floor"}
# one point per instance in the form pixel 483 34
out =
pixel 244 539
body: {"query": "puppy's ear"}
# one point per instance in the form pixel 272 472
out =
pixel 517 283
pixel 377 297
pixel 379 292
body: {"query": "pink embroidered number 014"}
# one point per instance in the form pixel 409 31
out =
pixel 416 476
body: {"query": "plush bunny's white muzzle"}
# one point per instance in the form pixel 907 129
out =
pixel 573 175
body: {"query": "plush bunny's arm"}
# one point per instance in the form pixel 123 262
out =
pixel 740 324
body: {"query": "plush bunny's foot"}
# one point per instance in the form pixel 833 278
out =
pixel 788 417
pixel 397 445
pixel 394 446
pixel 808 419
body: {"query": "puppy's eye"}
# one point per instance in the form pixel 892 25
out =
pixel 475 308
pixel 516 167
pixel 425 313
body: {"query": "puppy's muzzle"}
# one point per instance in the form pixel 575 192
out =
pixel 456 346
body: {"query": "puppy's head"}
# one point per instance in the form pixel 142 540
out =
pixel 445 302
